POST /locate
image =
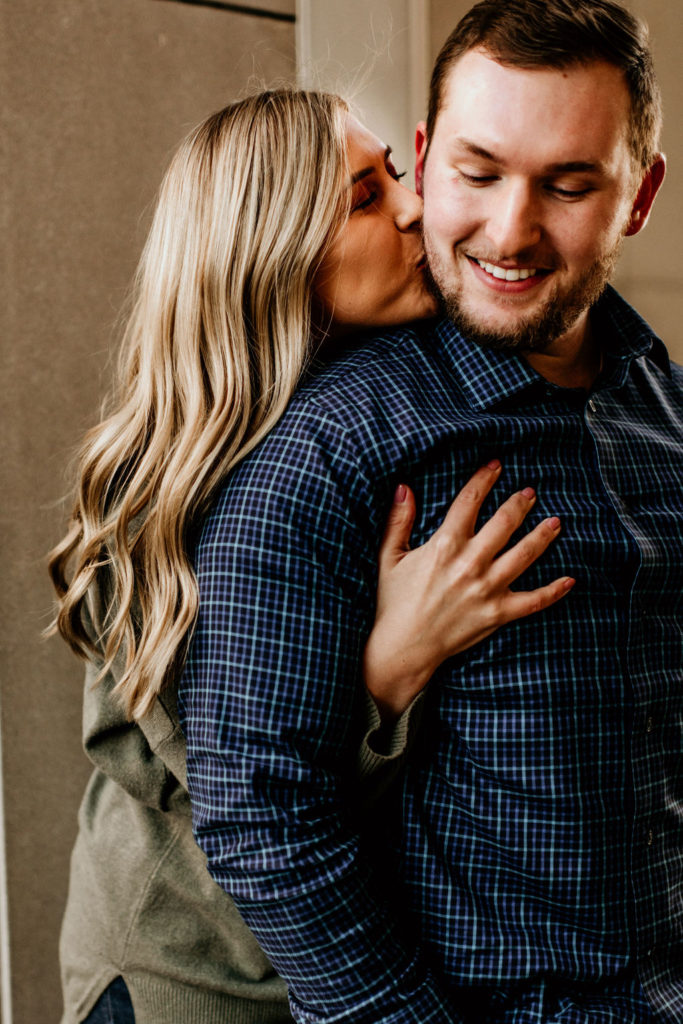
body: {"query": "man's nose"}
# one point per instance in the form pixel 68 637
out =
pixel 514 224
pixel 408 209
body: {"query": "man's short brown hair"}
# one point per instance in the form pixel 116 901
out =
pixel 559 34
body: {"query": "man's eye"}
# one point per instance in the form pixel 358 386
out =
pixel 569 193
pixel 476 179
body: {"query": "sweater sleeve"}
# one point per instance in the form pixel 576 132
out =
pixel 384 748
pixel 148 758
pixel 286 577
pixel 148 762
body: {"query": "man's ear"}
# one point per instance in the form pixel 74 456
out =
pixel 649 187
pixel 420 154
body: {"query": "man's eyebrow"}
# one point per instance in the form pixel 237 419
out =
pixel 358 175
pixel 476 150
pixel 577 166
pixel 562 167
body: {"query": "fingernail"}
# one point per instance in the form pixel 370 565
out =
pixel 568 582
pixel 553 523
pixel 493 464
pixel 529 493
pixel 400 494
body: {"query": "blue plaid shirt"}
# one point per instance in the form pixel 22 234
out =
pixel 535 839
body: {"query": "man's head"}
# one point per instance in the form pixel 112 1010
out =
pixel 561 34
pixel 539 155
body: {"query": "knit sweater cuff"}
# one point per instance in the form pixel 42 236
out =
pixel 386 746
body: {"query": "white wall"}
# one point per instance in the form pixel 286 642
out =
pixel 376 54
pixel 650 272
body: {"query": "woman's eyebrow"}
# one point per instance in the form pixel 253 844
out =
pixel 358 175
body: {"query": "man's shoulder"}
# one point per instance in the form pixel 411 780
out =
pixel 339 432
pixel 370 365
pixel 364 391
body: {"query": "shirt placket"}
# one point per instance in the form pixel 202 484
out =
pixel 607 420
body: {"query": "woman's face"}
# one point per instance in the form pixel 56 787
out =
pixel 372 275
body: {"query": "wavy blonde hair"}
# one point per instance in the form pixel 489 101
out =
pixel 216 343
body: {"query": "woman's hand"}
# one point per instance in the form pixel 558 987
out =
pixel 453 591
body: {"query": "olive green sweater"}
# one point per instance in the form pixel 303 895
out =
pixel 141 903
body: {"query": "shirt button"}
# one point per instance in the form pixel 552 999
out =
pixel 650 838
pixel 591 405
pixel 649 724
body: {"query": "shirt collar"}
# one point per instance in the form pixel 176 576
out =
pixel 625 336
pixel 488 377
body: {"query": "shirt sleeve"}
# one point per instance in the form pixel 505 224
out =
pixel 286 572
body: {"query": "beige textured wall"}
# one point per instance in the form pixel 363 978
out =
pixel 94 95
pixel 650 273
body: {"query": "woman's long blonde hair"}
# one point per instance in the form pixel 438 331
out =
pixel 216 343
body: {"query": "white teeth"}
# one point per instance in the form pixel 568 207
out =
pixel 507 275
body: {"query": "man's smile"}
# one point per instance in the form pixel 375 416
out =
pixel 507 273
pixel 507 278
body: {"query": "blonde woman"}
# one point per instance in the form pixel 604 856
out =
pixel 281 225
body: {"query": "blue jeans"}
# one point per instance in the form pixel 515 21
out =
pixel 113 1006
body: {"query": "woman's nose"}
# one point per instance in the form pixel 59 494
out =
pixel 408 213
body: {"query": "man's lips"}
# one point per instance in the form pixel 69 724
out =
pixel 508 278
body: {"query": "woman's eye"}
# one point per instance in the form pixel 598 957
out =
pixel 365 201
pixel 396 175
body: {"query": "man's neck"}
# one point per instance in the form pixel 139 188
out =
pixel 573 361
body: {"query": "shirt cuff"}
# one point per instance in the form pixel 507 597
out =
pixel 417 1001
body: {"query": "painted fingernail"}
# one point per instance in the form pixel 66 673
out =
pixel 493 464
pixel 400 494
pixel 529 493
pixel 553 523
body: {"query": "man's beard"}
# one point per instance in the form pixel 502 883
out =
pixel 539 329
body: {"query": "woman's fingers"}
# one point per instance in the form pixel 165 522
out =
pixel 461 519
pixel 508 566
pixel 396 539
pixel 494 534
pixel 520 603
pixel 454 590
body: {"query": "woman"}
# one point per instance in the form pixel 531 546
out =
pixel 264 244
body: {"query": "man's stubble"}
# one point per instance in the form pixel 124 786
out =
pixel 535 332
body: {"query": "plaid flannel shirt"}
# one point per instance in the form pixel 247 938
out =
pixel 537 831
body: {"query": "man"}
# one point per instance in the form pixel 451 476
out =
pixel 528 866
